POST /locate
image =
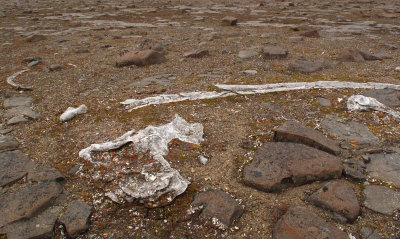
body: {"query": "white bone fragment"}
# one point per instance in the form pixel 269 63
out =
pixel 10 80
pixel 364 103
pixel 72 112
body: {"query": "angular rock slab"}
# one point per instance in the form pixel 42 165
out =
pixel 381 199
pixel 350 131
pixel 305 66
pixel 40 226
pixel 300 222
pixel 292 131
pixel 76 218
pixel 8 143
pixel 17 101
pixel 24 203
pixel 388 97
pixel 141 58
pixel 42 174
pixel 218 204
pixel 385 167
pixel 21 111
pixel 14 165
pixel 278 165
pixel 338 197
pixel 274 52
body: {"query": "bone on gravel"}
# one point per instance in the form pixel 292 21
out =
pixel 155 141
pixel 10 81
pixel 133 104
pixel 72 112
pixel 364 103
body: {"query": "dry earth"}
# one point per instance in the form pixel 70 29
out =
pixel 87 37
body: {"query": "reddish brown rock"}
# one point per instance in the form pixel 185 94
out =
pixel 338 197
pixel 150 44
pixel 76 218
pixel 278 165
pixel 274 52
pixel 300 222
pixel 351 55
pixel 292 131
pixel 141 58
pixel 229 21
pixel 35 38
pixel 310 33
pixel 218 204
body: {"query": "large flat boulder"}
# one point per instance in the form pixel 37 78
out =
pixel 14 165
pixel 26 202
pixel 218 204
pixel 385 167
pixel 300 222
pixel 278 165
pixel 337 197
pixel 381 199
pixel 292 131
pixel 388 97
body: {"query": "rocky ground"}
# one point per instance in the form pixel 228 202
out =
pixel 222 162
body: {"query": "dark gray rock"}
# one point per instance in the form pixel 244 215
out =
pixel 162 79
pixel 305 66
pixel 337 197
pixel 197 53
pixel 8 143
pixel 17 120
pixel 21 111
pixel 31 59
pixel 279 165
pixel 324 102
pixel 42 174
pixel 381 199
pixel 354 174
pixel 385 167
pixel 17 101
pixel 274 52
pixel 26 202
pixel 14 165
pixel 300 222
pixel 218 204
pixel 350 132
pixel 40 226
pixel 76 218
pixel 387 97
pixel 292 131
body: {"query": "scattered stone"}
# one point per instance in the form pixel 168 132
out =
pixel 324 102
pixel 54 67
pixel 245 54
pixel 305 66
pixel 5 131
pixel 76 218
pixel 34 63
pixel 292 131
pixel 26 202
pixel 40 226
pixel 141 58
pixel 197 53
pixel 250 72
pixel 383 55
pixel 388 97
pixel 80 51
pixel 381 199
pixel 17 120
pixel 296 39
pixel 150 44
pixel 71 112
pixel 385 167
pixel 17 101
pixel 390 46
pixel 274 52
pixel 203 160
pixel 351 55
pixel 218 204
pixel 365 232
pixel 278 165
pixel 14 165
pixel 352 133
pixel 354 174
pixel 35 38
pixel 229 21
pixel 8 143
pixel 337 197
pixel 369 57
pixel 21 111
pixel 162 79
pixel 43 174
pixel 311 33
pixel 300 222
pixel 31 59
